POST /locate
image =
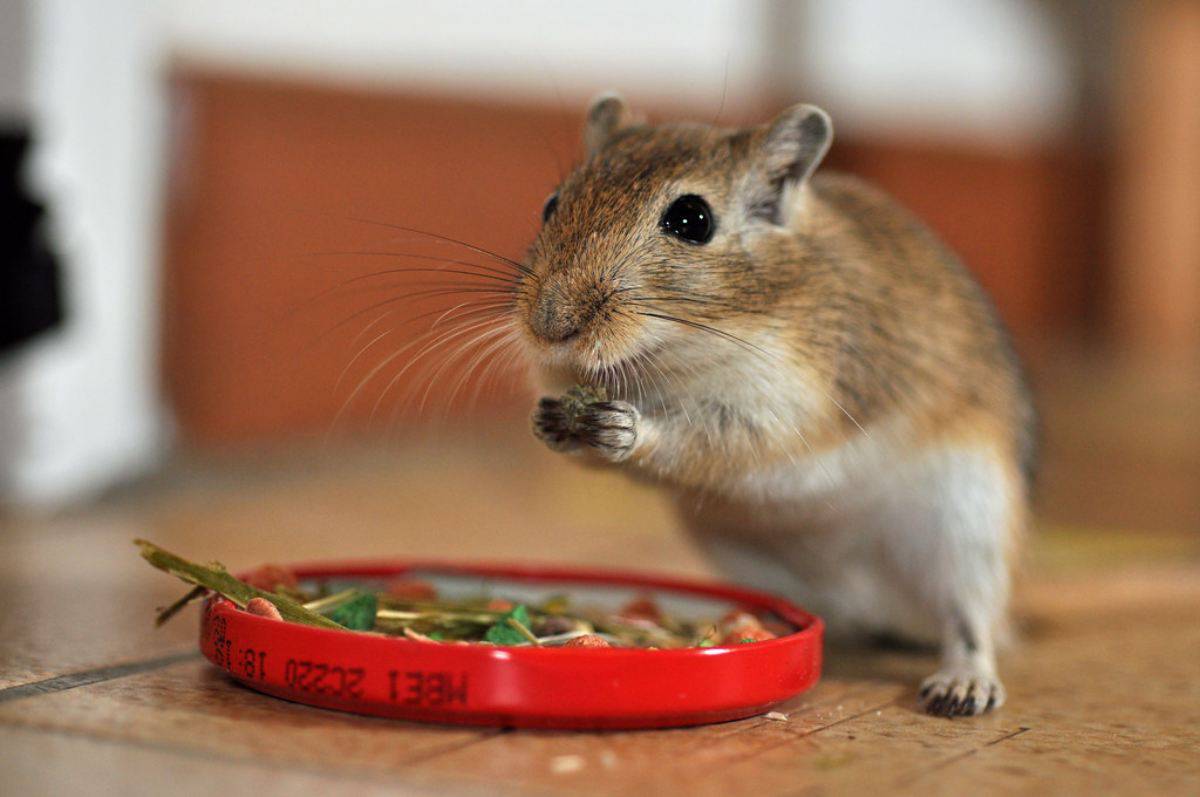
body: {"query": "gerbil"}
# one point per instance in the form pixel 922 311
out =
pixel 824 390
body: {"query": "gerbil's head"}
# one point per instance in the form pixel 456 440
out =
pixel 661 232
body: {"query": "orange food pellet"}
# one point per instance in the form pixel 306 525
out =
pixel 263 608
pixel 407 589
pixel 499 605
pixel 417 636
pixel 588 641
pixel 739 619
pixel 270 578
pixel 744 636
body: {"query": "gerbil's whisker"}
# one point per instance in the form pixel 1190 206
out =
pixel 489 361
pixel 494 292
pixel 387 361
pixel 482 355
pixel 461 311
pixel 440 340
pixel 437 236
pixel 341 376
pixel 461 349
pixel 487 274
pixel 388 253
pixel 706 328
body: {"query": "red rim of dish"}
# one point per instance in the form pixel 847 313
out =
pixel 517 686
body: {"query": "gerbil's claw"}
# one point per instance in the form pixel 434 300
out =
pixel 551 425
pixel 960 693
pixel 609 428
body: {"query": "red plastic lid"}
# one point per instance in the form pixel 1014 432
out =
pixel 520 686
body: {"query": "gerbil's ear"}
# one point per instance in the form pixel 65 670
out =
pixel 607 115
pixel 790 152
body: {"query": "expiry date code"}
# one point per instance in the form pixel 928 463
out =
pixel 322 678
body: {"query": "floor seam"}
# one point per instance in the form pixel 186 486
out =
pixel 96 675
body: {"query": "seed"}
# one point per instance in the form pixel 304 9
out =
pixel 263 608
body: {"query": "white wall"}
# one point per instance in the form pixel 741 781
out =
pixel 981 69
pixel 80 405
pixel 985 70
pixel 687 50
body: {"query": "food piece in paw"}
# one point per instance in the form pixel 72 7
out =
pixel 576 400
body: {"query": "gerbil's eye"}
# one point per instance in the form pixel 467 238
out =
pixel 549 208
pixel 690 219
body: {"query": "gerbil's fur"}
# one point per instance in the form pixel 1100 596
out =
pixel 823 388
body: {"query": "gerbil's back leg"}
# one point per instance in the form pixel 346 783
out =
pixel 967 682
pixel 951 548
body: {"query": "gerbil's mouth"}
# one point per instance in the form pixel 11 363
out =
pixel 584 351
pixel 591 351
pixel 583 335
pixel 602 334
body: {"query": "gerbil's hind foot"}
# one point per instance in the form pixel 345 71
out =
pixel 961 693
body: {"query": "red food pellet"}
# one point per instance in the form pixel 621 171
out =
pixel 263 608
pixel 588 641
pixel 270 578
pixel 499 605
pixel 641 609
pixel 406 589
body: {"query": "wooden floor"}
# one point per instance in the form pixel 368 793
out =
pixel 1104 684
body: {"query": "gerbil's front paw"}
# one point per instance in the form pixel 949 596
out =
pixel 579 420
pixel 960 693
pixel 609 428
pixel 553 426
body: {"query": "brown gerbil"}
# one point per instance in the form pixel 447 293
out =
pixel 825 391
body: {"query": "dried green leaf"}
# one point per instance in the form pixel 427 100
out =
pixel 358 613
pixel 217 578
pixel 503 632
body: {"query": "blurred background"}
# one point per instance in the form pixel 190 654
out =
pixel 195 192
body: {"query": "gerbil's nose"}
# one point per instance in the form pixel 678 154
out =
pixel 555 318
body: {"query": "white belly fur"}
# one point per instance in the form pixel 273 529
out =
pixel 872 538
